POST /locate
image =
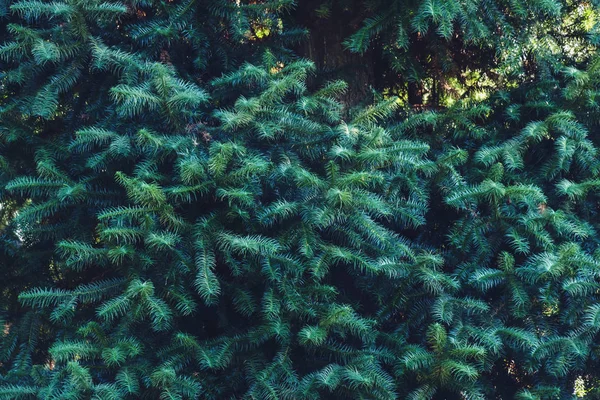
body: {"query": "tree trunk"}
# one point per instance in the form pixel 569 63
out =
pixel 325 48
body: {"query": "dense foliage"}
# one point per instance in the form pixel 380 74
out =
pixel 191 210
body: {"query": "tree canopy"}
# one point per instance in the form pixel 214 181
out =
pixel 335 199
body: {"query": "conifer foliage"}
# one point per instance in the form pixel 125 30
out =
pixel 185 215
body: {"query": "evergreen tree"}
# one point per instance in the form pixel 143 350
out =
pixel 523 237
pixel 434 52
pixel 183 216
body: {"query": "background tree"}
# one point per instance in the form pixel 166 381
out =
pixel 434 52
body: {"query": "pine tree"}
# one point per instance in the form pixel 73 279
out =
pixel 523 238
pixel 434 52
pixel 186 215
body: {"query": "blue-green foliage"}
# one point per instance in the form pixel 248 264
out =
pixel 168 231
